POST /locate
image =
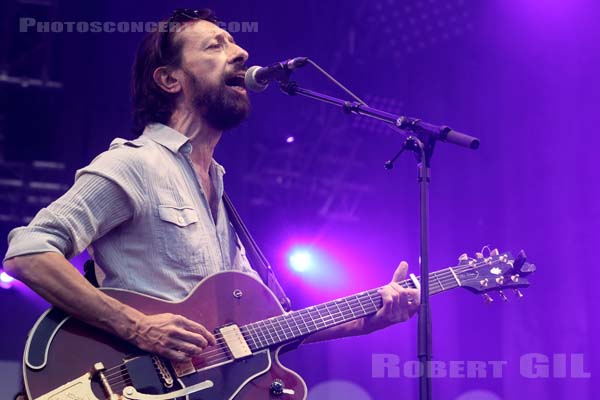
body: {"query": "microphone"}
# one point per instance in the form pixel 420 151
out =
pixel 257 78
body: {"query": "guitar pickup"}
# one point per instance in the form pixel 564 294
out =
pixel 236 344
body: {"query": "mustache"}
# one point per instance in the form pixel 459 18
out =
pixel 240 70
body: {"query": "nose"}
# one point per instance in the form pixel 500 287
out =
pixel 238 55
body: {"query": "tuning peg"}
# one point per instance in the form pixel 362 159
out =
pixel 518 293
pixel 463 257
pixel 502 295
pixel 479 256
pixel 488 299
pixel 494 252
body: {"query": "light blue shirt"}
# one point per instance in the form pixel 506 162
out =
pixel 140 210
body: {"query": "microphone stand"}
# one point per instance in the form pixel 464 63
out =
pixel 422 141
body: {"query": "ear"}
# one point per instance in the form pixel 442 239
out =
pixel 167 79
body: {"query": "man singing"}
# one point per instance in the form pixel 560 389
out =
pixel 150 210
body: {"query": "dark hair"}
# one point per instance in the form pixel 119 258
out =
pixel 157 49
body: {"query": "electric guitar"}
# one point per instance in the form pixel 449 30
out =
pixel 68 359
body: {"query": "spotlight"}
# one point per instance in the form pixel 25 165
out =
pixel 301 260
pixel 6 280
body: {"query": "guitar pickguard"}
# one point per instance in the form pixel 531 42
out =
pixel 228 379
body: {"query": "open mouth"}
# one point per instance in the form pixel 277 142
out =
pixel 236 82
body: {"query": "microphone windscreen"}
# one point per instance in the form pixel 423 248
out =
pixel 251 82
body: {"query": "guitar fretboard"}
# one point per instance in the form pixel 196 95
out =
pixel 297 324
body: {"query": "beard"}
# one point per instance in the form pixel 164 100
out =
pixel 222 107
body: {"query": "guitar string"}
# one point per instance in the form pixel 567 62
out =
pixel 255 338
pixel 449 278
pixel 219 352
pixel 209 357
pixel 326 321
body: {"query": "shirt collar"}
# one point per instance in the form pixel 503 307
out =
pixel 165 136
pixel 174 141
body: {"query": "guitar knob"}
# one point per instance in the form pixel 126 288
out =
pixel 277 387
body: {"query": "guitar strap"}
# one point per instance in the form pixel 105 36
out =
pixel 257 259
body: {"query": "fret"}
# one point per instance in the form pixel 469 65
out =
pixel 364 303
pixel 438 280
pixel 310 312
pixel 281 327
pixel 285 318
pixel 258 333
pixel 304 322
pixel 337 305
pixel 249 337
pixel 455 277
pixel 331 309
pixel 294 315
pixel 314 326
pixel 357 297
pixel 362 310
pixel 274 329
pixel 372 302
pixel 264 328
pixel 350 306
pixel 322 318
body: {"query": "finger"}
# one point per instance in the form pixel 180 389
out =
pixel 173 355
pixel 410 300
pixel 395 304
pixel 416 295
pixel 182 335
pixel 400 272
pixel 387 300
pixel 192 326
pixel 187 348
pixel 396 287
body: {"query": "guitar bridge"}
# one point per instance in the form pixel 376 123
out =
pixel 163 371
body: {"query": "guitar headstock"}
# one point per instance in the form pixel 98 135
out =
pixel 494 273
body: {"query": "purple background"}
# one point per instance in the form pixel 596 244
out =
pixel 521 75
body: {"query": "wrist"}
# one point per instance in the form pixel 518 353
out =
pixel 122 320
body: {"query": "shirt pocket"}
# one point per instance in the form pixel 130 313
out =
pixel 182 239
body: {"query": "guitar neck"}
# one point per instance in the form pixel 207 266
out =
pixel 297 324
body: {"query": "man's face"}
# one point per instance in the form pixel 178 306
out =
pixel 214 68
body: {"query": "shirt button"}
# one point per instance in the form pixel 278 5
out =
pixel 180 220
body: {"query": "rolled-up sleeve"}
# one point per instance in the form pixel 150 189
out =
pixel 105 194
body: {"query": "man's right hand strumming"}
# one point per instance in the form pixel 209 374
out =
pixel 169 335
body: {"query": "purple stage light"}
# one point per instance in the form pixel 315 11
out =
pixel 290 139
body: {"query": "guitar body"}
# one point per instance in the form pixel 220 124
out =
pixel 60 350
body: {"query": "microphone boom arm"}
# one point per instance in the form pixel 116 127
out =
pixel 424 131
